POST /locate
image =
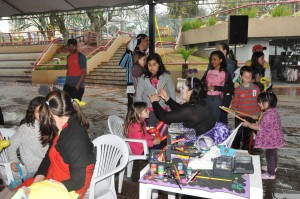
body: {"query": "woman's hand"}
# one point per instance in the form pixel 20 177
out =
pixel 156 141
pixel 164 95
pixel 38 178
pixel 13 166
pixel 210 88
pixel 154 98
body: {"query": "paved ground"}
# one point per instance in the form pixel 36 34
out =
pixel 105 101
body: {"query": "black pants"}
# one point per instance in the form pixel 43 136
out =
pixel 130 100
pixel 73 92
pixel 243 134
pixel 271 157
pixel 1 117
pixel 226 103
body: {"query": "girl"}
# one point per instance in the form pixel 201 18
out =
pixel 193 114
pixel 218 82
pixel 70 158
pixel 231 67
pixel 155 78
pixel 135 127
pixel 26 139
pixel 257 66
pixel 269 132
pixel 139 61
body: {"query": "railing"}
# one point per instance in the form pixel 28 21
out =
pixel 55 41
pixel 163 43
pixel 105 47
pixel 82 39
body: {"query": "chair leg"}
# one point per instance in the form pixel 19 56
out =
pixel 121 177
pixel 129 169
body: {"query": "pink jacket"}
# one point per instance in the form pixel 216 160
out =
pixel 134 131
pixel 269 135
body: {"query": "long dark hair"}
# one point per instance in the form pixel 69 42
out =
pixel 220 56
pixel 58 103
pixel 161 67
pixel 199 89
pixel 133 116
pixel 33 104
pixel 268 96
pixel 139 38
pixel 229 53
pixel 255 65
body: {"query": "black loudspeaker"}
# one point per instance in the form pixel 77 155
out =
pixel 238 29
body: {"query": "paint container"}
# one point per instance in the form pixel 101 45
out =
pixel 160 172
pixel 189 172
pixel 153 169
pixel 180 166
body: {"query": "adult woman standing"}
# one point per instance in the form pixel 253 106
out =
pixel 193 114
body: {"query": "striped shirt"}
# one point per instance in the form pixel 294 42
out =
pixel 245 99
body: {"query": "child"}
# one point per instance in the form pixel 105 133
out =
pixel 27 140
pixel 135 127
pixel 257 65
pixel 245 100
pixel 218 82
pixel 139 61
pixel 269 132
pixel 154 79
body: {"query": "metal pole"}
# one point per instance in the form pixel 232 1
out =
pixel 151 26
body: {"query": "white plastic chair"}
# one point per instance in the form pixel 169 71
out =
pixel 228 142
pixel 112 157
pixel 5 169
pixel 116 127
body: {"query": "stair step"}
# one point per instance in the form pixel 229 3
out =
pixel 17 67
pixel 110 63
pixel 111 72
pixel 98 77
pixel 107 82
pixel 110 69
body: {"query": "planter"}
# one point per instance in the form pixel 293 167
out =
pixel 180 82
pixel 184 68
pixel 47 76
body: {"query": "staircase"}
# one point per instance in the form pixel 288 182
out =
pixel 17 66
pixel 109 73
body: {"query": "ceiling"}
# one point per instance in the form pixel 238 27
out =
pixel 27 7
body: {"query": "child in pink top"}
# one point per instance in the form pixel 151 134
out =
pixel 135 127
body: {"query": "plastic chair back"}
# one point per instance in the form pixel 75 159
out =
pixel 112 157
pixel 116 125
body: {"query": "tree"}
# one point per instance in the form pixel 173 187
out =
pixel 58 19
pixel 183 9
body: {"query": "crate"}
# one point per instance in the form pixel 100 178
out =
pixel 223 166
pixel 243 164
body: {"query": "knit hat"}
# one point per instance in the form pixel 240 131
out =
pixel 258 47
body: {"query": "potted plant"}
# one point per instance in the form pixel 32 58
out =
pixel 185 53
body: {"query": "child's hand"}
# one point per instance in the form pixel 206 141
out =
pixel 164 95
pixel 156 141
pixel 154 98
pixel 246 124
pixel 13 166
pixel 39 178
pixel 255 117
pixel 210 88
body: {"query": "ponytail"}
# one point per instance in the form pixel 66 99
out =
pixel 57 103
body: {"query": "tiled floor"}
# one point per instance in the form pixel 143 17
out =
pixel 105 101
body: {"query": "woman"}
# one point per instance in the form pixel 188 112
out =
pixel 70 158
pixel 257 66
pixel 193 114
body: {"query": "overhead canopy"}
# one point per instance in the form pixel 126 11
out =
pixel 27 7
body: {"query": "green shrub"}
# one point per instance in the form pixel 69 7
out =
pixel 281 10
pixel 54 67
pixel 251 12
pixel 212 20
pixel 191 24
pixel 186 53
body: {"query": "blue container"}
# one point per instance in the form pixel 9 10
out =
pixel 61 80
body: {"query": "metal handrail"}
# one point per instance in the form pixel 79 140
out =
pixel 45 50
pixel 109 42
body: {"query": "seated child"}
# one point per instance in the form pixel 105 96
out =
pixel 135 127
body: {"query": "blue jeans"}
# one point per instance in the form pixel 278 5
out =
pixel 213 103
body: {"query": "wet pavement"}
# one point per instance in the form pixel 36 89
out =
pixel 105 101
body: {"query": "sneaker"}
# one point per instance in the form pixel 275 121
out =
pixel 265 168
pixel 266 176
